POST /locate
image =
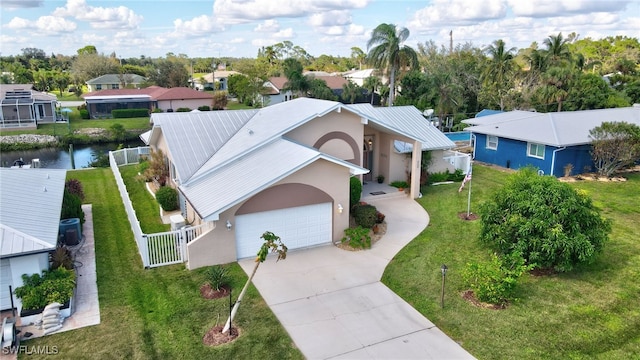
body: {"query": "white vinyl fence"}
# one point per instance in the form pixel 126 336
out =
pixel 155 249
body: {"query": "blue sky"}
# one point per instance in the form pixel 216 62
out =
pixel 238 28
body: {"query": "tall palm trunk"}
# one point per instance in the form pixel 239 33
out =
pixel 392 85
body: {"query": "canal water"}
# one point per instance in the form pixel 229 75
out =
pixel 60 158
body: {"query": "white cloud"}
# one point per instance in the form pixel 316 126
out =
pixel 202 25
pixel 269 25
pixel 555 8
pixel 44 25
pixel 457 12
pixel 119 17
pixel 331 18
pixel 242 11
pixel 236 41
pixel 284 34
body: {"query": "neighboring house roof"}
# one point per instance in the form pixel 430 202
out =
pixel 30 209
pixel 359 74
pixel 219 74
pixel 567 128
pixel 333 82
pixel 116 79
pixel 11 90
pixel 154 92
pixel 223 157
pixel 485 112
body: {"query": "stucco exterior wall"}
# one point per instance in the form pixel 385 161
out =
pixel 176 104
pixel 219 245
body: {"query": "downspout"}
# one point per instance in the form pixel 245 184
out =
pixel 553 159
pixel 473 138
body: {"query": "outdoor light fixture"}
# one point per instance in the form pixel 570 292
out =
pixel 340 208
pixel 228 225
pixel 443 268
pixel 370 142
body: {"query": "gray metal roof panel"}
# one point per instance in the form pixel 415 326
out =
pixel 266 125
pixel 24 191
pixel 14 242
pixel 406 121
pixel 249 174
pixel 193 137
pixel 566 128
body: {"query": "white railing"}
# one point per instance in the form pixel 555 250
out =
pixel 158 249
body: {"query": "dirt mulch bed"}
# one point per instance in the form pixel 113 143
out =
pixel 463 216
pixel 207 292
pixel 215 337
pixel 543 272
pixel 470 297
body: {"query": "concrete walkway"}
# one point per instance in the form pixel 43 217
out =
pixel 333 305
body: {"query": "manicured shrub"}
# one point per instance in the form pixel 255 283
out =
pixel 167 197
pixel 218 277
pixel 355 191
pixel 204 108
pixel 365 215
pixel 74 186
pixel 157 110
pixel 129 113
pixel 183 109
pixel 84 113
pixel 357 237
pixel 71 207
pixel 495 281
pixel 547 221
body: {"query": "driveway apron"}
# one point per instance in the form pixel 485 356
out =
pixel 333 305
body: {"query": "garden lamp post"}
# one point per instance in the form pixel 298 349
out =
pixel 443 269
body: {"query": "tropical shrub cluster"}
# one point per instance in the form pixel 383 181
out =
pixel 547 221
pixel 53 286
pixel 218 277
pixel 446 175
pixel 71 206
pixel 496 281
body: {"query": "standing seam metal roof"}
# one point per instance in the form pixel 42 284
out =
pixel 24 190
pixel 250 174
pixel 566 128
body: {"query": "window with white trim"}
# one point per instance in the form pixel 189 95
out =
pixel 492 142
pixel 535 150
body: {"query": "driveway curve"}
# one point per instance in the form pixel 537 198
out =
pixel 333 305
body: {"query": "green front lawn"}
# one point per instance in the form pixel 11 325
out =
pixel 158 313
pixel 590 313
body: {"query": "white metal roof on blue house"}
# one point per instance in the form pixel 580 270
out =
pixel 249 174
pixel 30 208
pixel 567 128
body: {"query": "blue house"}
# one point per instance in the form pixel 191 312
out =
pixel 547 141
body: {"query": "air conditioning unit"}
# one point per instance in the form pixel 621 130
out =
pixel 177 222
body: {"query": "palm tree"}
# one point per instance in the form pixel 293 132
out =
pixel 498 72
pixel 350 92
pixel 372 83
pixel 387 52
pixel 296 82
pixel 557 49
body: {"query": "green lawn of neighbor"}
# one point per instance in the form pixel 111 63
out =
pixel 590 313
pixel 157 313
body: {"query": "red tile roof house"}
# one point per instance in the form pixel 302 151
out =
pixel 277 93
pixel 100 103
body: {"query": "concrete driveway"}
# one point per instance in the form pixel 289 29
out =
pixel 333 305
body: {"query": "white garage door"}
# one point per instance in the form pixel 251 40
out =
pixel 5 281
pixel 298 227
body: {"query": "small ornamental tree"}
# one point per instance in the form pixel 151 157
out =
pixel 272 243
pixel 614 146
pixel 552 225
pixel 355 191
